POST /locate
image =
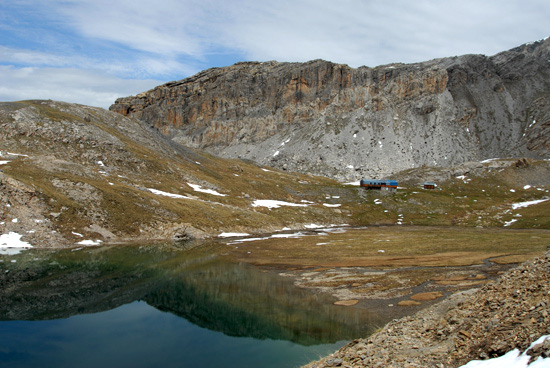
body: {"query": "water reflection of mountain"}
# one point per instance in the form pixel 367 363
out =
pixel 242 301
pixel 195 284
pixel 45 285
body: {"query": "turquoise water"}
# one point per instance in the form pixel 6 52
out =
pixel 138 335
pixel 162 306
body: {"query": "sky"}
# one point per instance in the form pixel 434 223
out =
pixel 94 51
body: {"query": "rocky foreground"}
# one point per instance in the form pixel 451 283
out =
pixel 509 313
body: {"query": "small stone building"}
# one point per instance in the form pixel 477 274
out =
pixel 429 185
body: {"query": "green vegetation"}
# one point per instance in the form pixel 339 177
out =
pixel 63 168
pixel 478 200
pixel 52 113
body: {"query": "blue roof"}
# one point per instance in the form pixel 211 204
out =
pixel 379 182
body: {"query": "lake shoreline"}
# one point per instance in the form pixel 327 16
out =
pixel 508 313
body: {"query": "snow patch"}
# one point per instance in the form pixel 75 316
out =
pixel 11 243
pixel 508 223
pixel 527 203
pixel 512 359
pixel 313 226
pixel 270 203
pixel 89 242
pixel 166 194
pixel 464 179
pixel 230 235
pixel 17 154
pixel 331 205
pixel 293 235
pixel 289 235
pixel 3 162
pixel 274 236
pixel 239 241
pixel 198 188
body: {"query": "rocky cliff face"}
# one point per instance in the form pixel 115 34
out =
pixel 334 120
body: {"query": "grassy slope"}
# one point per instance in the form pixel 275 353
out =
pixel 127 208
pixel 117 197
pixel 484 199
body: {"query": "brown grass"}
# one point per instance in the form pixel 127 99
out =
pixel 427 296
pixel 408 303
pixel 346 303
pixel 514 258
pixel 402 246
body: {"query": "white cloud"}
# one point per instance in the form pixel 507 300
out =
pixel 71 85
pixel 348 31
pixel 108 40
pixel 375 32
pixel 166 27
pixel 22 56
pixel 143 66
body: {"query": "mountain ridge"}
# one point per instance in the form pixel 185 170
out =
pixel 332 120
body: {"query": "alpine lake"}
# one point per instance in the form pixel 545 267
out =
pixel 239 302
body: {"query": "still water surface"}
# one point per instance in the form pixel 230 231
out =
pixel 162 305
pixel 138 335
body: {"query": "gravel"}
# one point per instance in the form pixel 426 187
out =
pixel 508 313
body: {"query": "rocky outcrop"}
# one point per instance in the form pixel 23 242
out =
pixel 331 119
pixel 507 314
pixel 22 209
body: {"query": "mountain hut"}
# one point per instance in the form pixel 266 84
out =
pixel 429 185
pixel 374 184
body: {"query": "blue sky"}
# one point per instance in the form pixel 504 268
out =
pixel 93 51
